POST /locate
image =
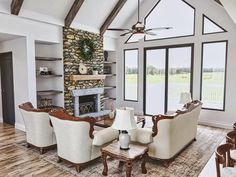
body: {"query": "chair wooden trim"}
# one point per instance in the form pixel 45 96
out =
pixel 29 107
pixel 222 157
pixel 187 108
pixel 234 126
pixel 61 114
pixel 231 139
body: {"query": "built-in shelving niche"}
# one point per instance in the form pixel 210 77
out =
pixel 49 86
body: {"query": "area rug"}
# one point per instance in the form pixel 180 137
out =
pixel 188 164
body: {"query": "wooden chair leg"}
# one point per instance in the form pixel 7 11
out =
pixel 28 145
pixel 59 160
pixel 41 150
pixel 78 168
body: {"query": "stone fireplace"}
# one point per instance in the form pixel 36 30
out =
pixel 87 102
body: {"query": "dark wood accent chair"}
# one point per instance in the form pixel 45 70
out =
pixel 231 139
pixel 39 132
pixel 223 158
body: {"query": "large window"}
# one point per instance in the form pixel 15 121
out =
pixel 214 56
pixel 171 13
pixel 131 75
pixel 168 72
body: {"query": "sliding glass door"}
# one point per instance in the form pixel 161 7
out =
pixel 168 72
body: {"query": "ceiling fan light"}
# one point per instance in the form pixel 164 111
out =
pixel 138 36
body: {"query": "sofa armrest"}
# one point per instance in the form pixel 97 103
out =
pixel 105 136
pixel 142 135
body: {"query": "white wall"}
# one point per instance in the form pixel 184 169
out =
pixel 24 55
pixel 219 15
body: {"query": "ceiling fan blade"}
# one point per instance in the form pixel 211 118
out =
pixel 118 29
pixel 150 33
pixel 160 28
pixel 125 33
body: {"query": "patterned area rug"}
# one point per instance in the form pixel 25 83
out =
pixel 188 164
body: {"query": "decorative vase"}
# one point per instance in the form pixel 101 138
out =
pixel 105 55
pixel 95 72
pixel 112 114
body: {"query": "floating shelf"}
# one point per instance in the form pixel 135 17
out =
pixel 109 87
pixel 108 98
pixel 110 75
pixel 87 77
pixel 109 62
pixel 47 59
pixel 48 92
pixel 49 76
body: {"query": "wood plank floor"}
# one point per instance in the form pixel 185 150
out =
pixel 15 161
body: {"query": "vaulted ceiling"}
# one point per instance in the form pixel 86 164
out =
pixel 91 15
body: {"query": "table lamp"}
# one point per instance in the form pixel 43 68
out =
pixel 124 121
pixel 185 97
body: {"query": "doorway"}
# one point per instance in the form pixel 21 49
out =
pixel 7 88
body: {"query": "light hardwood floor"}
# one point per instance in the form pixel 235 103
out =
pixel 15 161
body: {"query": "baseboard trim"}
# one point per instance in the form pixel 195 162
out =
pixel 20 127
pixel 216 124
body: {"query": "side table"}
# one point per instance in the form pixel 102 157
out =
pixel 135 152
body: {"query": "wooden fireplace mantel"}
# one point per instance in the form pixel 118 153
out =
pixel 87 77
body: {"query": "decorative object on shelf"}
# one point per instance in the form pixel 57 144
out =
pixel 105 55
pixel 95 71
pixel 110 104
pixel 107 70
pixel 185 97
pixel 44 71
pixel 87 48
pixel 124 121
pixel 45 102
pixel 83 69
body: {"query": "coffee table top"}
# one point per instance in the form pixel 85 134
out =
pixel 107 122
pixel 135 150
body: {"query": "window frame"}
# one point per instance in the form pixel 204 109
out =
pixel 167 47
pixel 194 23
pixel 225 76
pixel 124 98
pixel 203 26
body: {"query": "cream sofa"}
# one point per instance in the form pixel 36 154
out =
pixel 77 142
pixel 39 132
pixel 170 133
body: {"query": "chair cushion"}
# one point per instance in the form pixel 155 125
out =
pixel 105 136
pixel 141 135
pixel 233 154
pixel 228 172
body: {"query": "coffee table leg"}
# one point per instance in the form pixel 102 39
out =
pixel 128 168
pixel 104 161
pixel 144 158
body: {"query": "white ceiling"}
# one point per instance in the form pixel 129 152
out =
pixel 6 37
pixel 230 7
pixel 91 16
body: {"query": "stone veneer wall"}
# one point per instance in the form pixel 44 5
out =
pixel 72 59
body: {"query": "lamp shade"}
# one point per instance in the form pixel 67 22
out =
pixel 124 119
pixel 185 97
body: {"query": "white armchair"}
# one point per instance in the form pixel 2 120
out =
pixel 76 141
pixel 39 132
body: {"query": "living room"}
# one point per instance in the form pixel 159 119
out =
pixel 117 88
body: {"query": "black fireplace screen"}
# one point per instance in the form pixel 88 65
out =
pixel 87 104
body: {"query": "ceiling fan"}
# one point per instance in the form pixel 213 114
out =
pixel 138 28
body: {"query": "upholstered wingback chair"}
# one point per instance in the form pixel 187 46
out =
pixel 77 142
pixel 39 132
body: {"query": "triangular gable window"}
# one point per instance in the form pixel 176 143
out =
pixel 209 26
pixel 177 14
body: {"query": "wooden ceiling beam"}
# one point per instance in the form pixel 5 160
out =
pixel 73 11
pixel 112 16
pixel 218 1
pixel 16 6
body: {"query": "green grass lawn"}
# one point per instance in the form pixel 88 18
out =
pixel 210 80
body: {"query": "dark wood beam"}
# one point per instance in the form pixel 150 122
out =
pixel 112 16
pixel 73 11
pixel 16 6
pixel 218 1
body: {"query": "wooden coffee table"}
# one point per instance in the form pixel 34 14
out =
pixel 135 152
pixel 106 122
